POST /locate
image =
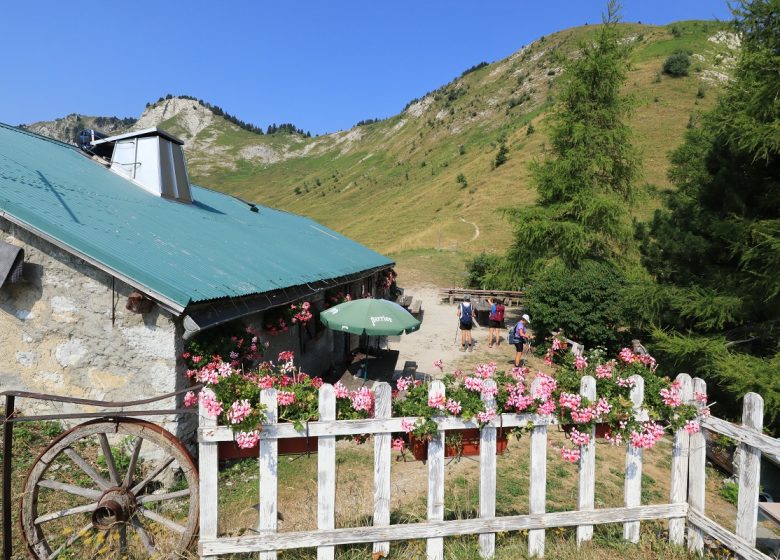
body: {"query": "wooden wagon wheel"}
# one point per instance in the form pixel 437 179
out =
pixel 111 488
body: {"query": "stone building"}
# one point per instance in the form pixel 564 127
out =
pixel 110 260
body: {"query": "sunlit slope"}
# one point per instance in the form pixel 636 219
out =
pixel 395 184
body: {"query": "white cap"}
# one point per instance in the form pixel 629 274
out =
pixel 527 318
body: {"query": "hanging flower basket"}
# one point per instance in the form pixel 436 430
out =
pixel 457 443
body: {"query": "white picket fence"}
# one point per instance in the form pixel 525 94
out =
pixel 684 510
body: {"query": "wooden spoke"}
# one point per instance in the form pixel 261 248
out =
pixel 162 497
pixel 65 512
pixel 143 535
pixel 73 538
pixel 133 460
pixel 154 516
pixel 122 537
pixel 87 468
pixel 160 468
pixel 104 445
pixel 71 489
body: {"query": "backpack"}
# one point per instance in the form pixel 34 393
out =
pixel 465 314
pixel 499 313
pixel 513 335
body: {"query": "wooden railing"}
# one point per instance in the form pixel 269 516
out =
pixel 684 509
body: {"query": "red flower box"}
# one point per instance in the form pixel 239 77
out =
pixel 287 446
pixel 467 447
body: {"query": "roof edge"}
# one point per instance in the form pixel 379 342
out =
pixel 167 303
pixel 211 313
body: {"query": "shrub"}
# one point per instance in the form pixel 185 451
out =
pixel 501 156
pixel 530 130
pixel 677 64
pixel 461 180
pixel 587 303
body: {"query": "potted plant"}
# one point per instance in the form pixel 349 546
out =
pixel 231 394
pixel 463 398
pixel 612 413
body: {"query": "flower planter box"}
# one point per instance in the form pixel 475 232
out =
pixel 287 446
pixel 602 430
pixel 468 446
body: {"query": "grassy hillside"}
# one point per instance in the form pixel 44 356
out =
pixel 422 186
pixel 394 184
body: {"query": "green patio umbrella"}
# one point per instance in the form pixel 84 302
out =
pixel 372 317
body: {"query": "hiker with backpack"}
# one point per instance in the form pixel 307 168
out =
pixel 495 322
pixel 519 336
pixel 465 322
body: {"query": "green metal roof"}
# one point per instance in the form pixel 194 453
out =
pixel 184 253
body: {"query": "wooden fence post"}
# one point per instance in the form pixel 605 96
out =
pixel 382 461
pixel 209 478
pixel 632 488
pixel 326 471
pixel 750 471
pixel 269 467
pixel 587 490
pixel 487 473
pixel 435 546
pixel 680 446
pixel 537 492
pixel 697 473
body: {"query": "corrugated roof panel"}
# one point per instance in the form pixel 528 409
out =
pixel 213 248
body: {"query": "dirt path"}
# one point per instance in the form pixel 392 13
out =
pixel 436 338
pixel 476 229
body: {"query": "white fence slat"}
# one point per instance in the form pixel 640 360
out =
pixel 382 462
pixel 742 434
pixel 632 487
pixel 487 476
pixel 697 477
pixel 680 446
pixel 537 493
pixel 269 467
pixel 749 471
pixel 435 546
pixel 358 535
pixel 375 426
pixel 326 471
pixel 208 469
pixel 587 490
pixel 726 537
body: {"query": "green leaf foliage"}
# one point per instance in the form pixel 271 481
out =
pixel 677 64
pixel 588 305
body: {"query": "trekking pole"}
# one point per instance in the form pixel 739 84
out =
pixel 456 332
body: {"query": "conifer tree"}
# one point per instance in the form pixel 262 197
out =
pixel 714 249
pixel 586 180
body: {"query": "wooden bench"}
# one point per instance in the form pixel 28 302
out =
pixel 416 307
pixel 405 301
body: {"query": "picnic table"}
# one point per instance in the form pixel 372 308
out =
pixel 511 298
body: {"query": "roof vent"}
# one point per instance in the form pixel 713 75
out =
pixel 153 159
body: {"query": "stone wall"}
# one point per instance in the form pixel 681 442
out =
pixel 65 330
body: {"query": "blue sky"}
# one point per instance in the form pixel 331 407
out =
pixel 320 65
